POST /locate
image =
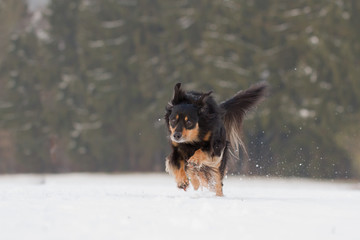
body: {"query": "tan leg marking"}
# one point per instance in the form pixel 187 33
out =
pixel 198 176
pixel 203 180
pixel 180 176
pixel 218 184
pixel 199 158
pixel 194 179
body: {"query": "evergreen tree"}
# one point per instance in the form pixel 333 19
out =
pixel 90 95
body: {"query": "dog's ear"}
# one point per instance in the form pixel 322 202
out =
pixel 179 94
pixel 202 100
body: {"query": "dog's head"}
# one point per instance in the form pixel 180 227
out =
pixel 183 114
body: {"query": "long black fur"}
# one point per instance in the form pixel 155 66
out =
pixel 210 119
pixel 235 110
pixel 224 121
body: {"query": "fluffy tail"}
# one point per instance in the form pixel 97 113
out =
pixel 235 109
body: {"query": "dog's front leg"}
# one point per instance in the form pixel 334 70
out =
pixel 176 167
pixel 199 158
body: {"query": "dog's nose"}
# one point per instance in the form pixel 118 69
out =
pixel 177 135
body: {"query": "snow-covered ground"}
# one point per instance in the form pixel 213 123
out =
pixel 149 206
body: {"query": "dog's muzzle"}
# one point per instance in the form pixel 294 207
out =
pixel 177 136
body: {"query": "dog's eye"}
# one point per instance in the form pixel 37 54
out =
pixel 189 124
pixel 173 121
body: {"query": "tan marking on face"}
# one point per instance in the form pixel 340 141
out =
pixel 191 135
pixel 172 130
pixel 207 136
pixel 186 118
pixel 175 144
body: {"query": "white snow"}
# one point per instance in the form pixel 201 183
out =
pixel 149 206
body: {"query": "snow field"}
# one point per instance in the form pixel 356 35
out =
pixel 149 206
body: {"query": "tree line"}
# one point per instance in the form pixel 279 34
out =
pixel 84 84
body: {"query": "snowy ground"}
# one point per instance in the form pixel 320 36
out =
pixel 149 206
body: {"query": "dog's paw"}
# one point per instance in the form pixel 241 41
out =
pixel 194 162
pixel 192 165
pixel 183 185
pixel 197 159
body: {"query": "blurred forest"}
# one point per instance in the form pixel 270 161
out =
pixel 84 83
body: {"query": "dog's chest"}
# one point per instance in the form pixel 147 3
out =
pixel 188 150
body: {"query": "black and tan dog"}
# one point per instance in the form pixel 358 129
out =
pixel 204 134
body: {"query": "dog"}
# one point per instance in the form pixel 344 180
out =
pixel 204 135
